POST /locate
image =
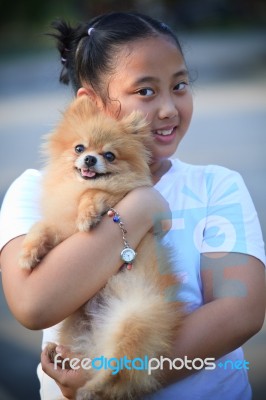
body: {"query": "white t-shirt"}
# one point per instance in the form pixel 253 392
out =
pixel 212 212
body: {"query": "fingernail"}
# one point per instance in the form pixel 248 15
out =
pixel 59 349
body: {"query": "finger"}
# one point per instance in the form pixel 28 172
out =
pixel 47 365
pixel 61 356
pixel 65 352
pixel 63 376
pixel 54 371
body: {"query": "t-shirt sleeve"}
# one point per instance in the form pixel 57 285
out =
pixel 21 207
pixel 232 223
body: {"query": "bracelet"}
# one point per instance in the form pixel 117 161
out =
pixel 127 254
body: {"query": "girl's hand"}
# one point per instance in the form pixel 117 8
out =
pixel 69 380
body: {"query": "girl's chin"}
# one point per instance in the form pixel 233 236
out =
pixel 162 153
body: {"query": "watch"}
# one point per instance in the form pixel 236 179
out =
pixel 128 255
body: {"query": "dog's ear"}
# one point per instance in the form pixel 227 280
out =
pixel 135 123
pixel 83 107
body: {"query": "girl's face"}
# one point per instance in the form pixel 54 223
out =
pixel 150 76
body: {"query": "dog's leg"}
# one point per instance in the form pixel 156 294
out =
pixel 91 208
pixel 38 242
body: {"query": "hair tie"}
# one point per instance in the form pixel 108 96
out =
pixel 64 59
pixel 164 26
pixel 90 30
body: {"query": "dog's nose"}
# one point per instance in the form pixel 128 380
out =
pixel 90 161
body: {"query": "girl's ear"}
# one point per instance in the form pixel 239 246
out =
pixel 87 92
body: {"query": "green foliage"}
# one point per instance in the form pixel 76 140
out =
pixel 22 22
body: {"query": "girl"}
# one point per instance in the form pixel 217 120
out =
pixel 127 62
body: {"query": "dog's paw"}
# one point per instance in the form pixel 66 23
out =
pixel 29 258
pixel 86 223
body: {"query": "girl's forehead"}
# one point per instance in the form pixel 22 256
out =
pixel 147 54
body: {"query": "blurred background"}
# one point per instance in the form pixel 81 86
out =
pixel 224 42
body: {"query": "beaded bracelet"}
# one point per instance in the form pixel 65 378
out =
pixel 127 254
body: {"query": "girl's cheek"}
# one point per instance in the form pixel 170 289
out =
pixel 190 104
pixel 113 110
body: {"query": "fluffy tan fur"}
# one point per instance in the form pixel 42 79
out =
pixel 130 316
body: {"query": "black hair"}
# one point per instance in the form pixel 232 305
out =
pixel 86 54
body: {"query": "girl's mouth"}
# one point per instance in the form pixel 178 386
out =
pixel 165 135
pixel 164 132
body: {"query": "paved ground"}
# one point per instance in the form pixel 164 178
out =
pixel 228 129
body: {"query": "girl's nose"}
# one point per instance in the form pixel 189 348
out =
pixel 168 108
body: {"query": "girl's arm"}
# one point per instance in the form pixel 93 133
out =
pixel 78 267
pixel 234 310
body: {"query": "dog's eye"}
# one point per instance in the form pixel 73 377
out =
pixel 79 148
pixel 109 156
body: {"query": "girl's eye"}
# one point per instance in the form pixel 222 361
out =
pixel 79 148
pixel 109 156
pixel 146 92
pixel 181 86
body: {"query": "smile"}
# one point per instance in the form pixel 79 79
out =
pixel 87 173
pixel 164 132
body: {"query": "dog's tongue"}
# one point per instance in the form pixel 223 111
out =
pixel 88 173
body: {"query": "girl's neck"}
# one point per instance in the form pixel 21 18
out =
pixel 159 168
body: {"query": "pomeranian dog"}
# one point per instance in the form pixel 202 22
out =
pixel 93 161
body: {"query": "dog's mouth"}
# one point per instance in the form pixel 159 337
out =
pixel 87 173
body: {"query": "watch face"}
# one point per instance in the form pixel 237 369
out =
pixel 128 255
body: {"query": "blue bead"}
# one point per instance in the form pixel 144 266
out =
pixel 116 218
